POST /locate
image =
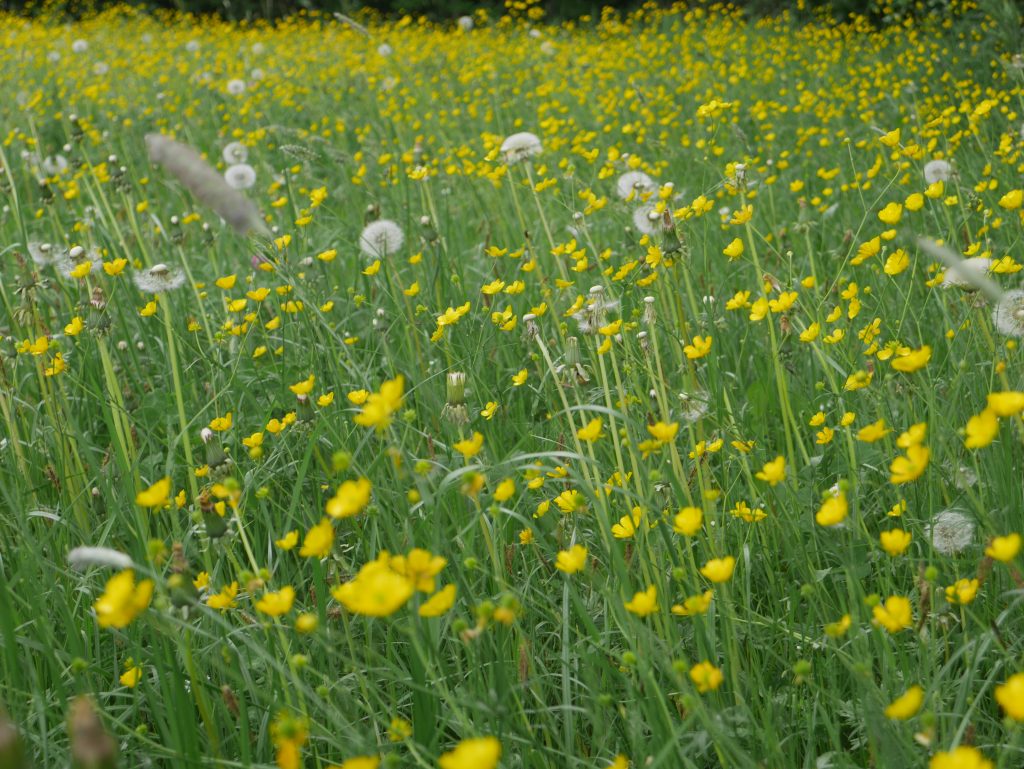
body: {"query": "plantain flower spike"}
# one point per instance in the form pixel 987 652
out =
pixel 209 187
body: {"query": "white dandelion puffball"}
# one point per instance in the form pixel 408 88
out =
pixel 960 276
pixel 100 68
pixel 465 23
pixel 240 176
pixel 68 261
pixel 645 219
pixel 54 165
pixel 158 279
pixel 1008 315
pixel 693 405
pixel 236 87
pixel 235 152
pixel 80 46
pixel 520 146
pixel 83 557
pixel 381 238
pixel 257 74
pixel 633 181
pixel 548 48
pixel 192 46
pixel 258 49
pixel 937 171
pixel 950 532
pixel 384 50
pixel 43 254
pixel 53 57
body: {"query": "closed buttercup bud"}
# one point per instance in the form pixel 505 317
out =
pixel 91 746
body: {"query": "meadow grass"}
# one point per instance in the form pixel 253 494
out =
pixel 636 428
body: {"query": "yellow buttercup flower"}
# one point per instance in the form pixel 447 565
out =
pixel 376 591
pixel 644 603
pixel 688 521
pixel 305 387
pixel 351 498
pixel 833 510
pixel 895 541
pixel 698 348
pixel 719 569
pixel 706 677
pixel 131 676
pixel 572 560
pixel 906 705
pixel 475 753
pixel 961 757
pixel 592 431
pixel 914 360
pixel 318 540
pixel 470 447
pixel 157 495
pixel 895 614
pixel 694 604
pixel 122 600
pixel 439 603
pixel 1010 696
pixel 981 429
pixel 773 472
pixel 277 603
pixel 909 468
pixel 1004 549
pixel 380 406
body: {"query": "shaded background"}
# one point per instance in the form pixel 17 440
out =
pixel 879 10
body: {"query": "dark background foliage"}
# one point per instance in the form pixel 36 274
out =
pixel 441 10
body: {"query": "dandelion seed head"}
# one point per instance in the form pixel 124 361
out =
pixel 159 279
pixel 520 146
pixel 43 254
pixel 82 558
pixel 54 165
pixel 465 23
pixel 235 152
pixel 937 171
pixel 1008 314
pixel 80 46
pixel 381 238
pixel 960 276
pixel 950 532
pixel 645 219
pixel 235 87
pixel 633 181
pixel 693 405
pixel 240 176
pixel 68 261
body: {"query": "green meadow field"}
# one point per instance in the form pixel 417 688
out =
pixel 635 391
